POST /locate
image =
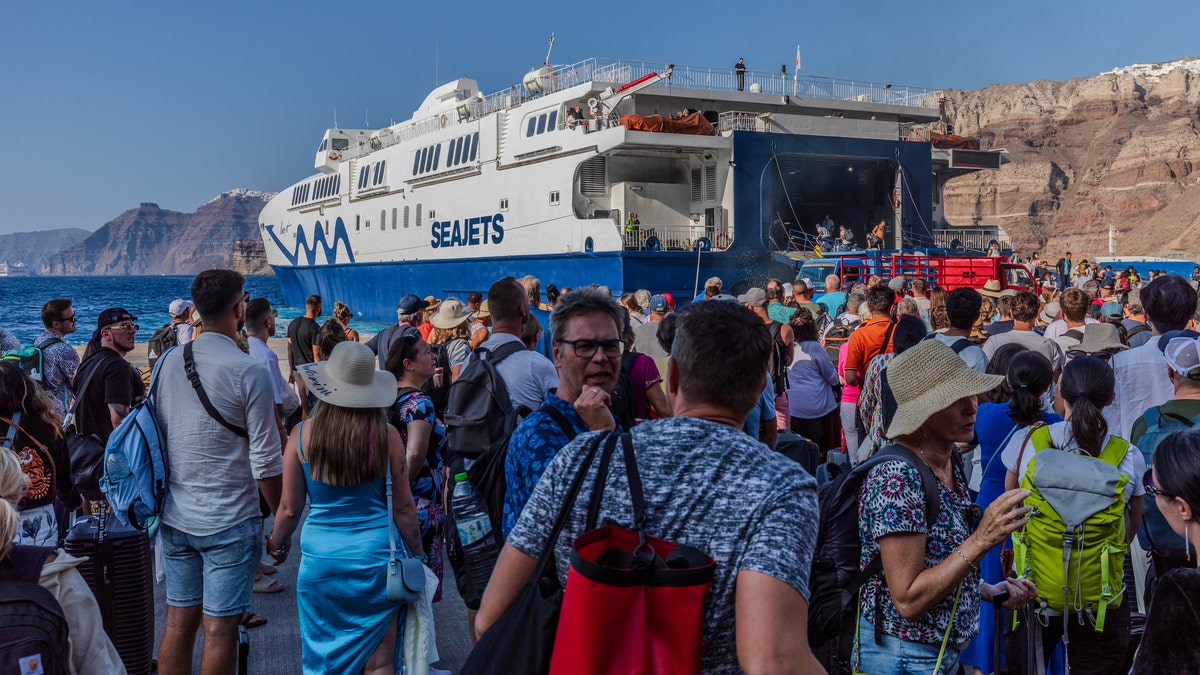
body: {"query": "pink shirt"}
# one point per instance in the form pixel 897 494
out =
pixel 849 394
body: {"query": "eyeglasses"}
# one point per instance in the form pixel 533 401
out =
pixel 1103 356
pixel 66 319
pixel 1152 489
pixel 125 326
pixel 586 349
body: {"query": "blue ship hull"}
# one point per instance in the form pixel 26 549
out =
pixel 373 289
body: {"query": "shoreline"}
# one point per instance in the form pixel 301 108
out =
pixel 137 357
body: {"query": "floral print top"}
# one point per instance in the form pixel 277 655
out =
pixel 892 500
pixel 870 405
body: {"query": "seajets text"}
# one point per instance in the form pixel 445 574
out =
pixel 468 232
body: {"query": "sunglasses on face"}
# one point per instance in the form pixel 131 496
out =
pixel 125 326
pixel 67 319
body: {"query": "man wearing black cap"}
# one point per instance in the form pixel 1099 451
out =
pixel 408 313
pixel 106 385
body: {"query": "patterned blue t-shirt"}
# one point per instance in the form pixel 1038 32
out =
pixel 532 446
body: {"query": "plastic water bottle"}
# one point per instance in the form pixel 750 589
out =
pixel 474 532
pixel 116 468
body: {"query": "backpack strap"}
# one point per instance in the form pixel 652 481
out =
pixel 1140 328
pixel 404 391
pixel 1074 334
pixel 1114 450
pixel 561 419
pixel 24 563
pixel 887 338
pixel 1043 438
pixel 50 341
pixel 189 367
pixel 14 426
pixel 94 362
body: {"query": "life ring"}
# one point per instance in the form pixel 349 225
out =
pixel 722 241
pixel 442 121
pixel 652 243
pixel 702 244
pixel 333 156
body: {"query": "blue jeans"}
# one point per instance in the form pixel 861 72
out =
pixel 216 570
pixel 899 657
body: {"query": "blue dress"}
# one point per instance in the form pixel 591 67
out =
pixel 342 586
pixel 992 427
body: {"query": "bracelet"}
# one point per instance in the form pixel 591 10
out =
pixel 969 562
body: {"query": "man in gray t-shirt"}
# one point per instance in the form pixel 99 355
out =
pixel 706 484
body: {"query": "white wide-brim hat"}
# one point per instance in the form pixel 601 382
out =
pixel 928 378
pixel 451 313
pixel 349 379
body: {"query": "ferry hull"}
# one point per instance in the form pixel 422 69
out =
pixel 373 289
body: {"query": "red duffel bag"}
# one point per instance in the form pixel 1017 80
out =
pixel 633 604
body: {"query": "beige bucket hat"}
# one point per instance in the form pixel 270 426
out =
pixel 928 378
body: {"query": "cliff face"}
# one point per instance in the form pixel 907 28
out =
pixel 150 240
pixel 1121 148
pixel 250 257
pixel 32 248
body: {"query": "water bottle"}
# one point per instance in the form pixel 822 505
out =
pixel 474 532
pixel 116 468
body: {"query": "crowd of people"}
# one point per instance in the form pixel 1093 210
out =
pixel 970 412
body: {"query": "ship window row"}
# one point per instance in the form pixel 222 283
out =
pixel 462 149
pixel 540 124
pixel 427 159
pixel 321 188
pixel 372 175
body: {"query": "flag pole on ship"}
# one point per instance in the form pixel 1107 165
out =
pixel 796 73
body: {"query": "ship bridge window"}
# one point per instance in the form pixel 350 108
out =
pixel 474 145
pixel 540 124
pixel 324 144
pixel 341 143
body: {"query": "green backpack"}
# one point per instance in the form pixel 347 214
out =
pixel 1073 546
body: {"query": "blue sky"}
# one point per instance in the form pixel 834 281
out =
pixel 114 103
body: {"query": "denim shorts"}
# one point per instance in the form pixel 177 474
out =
pixel 216 570
pixel 899 657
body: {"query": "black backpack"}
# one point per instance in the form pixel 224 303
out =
pixel 623 393
pixel 836 577
pixel 442 372
pixel 778 366
pixel 838 336
pixel 479 412
pixel 162 340
pixel 33 629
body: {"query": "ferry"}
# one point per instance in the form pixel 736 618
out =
pixel 13 269
pixel 620 173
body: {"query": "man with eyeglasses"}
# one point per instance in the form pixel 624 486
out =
pixel 59 359
pixel 106 384
pixel 586 331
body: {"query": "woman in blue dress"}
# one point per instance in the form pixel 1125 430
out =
pixel 1027 378
pixel 338 459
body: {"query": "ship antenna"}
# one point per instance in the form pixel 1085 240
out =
pixel 547 62
pixel 436 78
pixel 335 117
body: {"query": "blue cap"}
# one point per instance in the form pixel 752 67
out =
pixel 411 304
pixel 659 304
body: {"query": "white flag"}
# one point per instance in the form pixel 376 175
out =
pixel 797 57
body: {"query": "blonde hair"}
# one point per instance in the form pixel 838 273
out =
pixel 13 484
pixel 441 335
pixel 341 312
pixel 347 446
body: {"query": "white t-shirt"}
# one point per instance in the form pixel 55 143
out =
pixel 973 355
pixel 1058 326
pixel 1132 466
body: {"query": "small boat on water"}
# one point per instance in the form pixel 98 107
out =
pixel 622 173
pixel 13 269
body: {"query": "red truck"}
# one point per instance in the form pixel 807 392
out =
pixel 948 272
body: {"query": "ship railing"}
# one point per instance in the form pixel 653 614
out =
pixel 742 121
pixel 616 72
pixel 973 239
pixel 676 238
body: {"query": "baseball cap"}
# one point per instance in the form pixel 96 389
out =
pixel 1165 338
pixel 755 296
pixel 1112 310
pixel 897 283
pixel 658 304
pixel 729 298
pixel 1183 356
pixel 411 304
pixel 113 315
pixel 179 306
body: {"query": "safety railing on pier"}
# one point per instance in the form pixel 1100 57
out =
pixel 617 72
pixel 676 238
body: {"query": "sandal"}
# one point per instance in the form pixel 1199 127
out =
pixel 252 620
pixel 264 568
pixel 266 584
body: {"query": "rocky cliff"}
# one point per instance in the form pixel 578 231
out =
pixel 250 257
pixel 1121 148
pixel 151 240
pixel 32 248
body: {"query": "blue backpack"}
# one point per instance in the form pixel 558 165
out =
pixel 135 463
pixel 1155 535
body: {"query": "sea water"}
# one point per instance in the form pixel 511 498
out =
pixel 147 298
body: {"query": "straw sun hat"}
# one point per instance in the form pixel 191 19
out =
pixel 348 378
pixel 927 379
pixel 450 314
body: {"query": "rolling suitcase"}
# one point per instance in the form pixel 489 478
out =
pixel 119 572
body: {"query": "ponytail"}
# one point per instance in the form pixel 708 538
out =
pixel 1028 377
pixel 13 484
pixel 1087 385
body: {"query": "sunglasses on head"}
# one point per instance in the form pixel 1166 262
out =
pixel 1152 489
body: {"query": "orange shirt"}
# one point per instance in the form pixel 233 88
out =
pixel 864 344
